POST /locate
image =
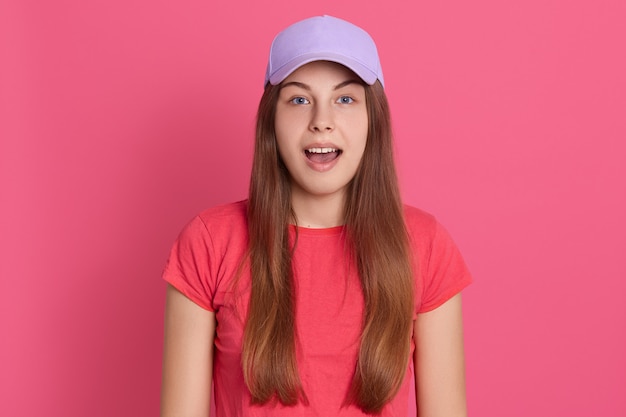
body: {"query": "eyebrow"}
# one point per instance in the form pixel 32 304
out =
pixel 308 88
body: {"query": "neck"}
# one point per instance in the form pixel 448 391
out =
pixel 318 211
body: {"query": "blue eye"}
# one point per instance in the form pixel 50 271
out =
pixel 345 100
pixel 299 100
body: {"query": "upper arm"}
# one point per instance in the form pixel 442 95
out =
pixel 187 357
pixel 439 361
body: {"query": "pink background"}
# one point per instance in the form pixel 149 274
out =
pixel 119 120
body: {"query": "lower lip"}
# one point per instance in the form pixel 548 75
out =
pixel 322 167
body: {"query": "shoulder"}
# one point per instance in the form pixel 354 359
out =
pixel 427 235
pixel 230 215
pixel 442 270
pixel 207 251
pixel 219 225
pixel 419 223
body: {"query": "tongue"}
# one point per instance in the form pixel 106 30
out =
pixel 322 157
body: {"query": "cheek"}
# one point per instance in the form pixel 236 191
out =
pixel 282 133
pixel 287 146
pixel 286 128
pixel 282 151
pixel 363 131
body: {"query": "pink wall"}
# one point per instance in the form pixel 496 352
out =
pixel 119 120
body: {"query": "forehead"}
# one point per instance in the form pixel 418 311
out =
pixel 322 71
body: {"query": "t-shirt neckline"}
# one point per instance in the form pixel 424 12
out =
pixel 313 231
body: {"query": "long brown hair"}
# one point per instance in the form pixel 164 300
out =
pixel 379 243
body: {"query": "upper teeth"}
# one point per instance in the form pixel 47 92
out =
pixel 321 150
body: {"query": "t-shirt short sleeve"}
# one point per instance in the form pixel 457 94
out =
pixel 188 267
pixel 444 273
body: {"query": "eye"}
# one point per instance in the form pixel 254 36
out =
pixel 345 100
pixel 299 100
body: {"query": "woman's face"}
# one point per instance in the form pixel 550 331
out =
pixel 321 128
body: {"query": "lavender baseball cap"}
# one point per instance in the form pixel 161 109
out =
pixel 323 38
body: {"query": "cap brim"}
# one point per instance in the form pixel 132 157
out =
pixel 359 69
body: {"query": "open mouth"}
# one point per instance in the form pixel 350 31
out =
pixel 322 155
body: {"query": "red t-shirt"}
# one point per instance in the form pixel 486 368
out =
pixel 329 304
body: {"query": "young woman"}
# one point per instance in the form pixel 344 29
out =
pixel 320 295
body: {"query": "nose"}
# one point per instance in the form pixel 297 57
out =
pixel 322 119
